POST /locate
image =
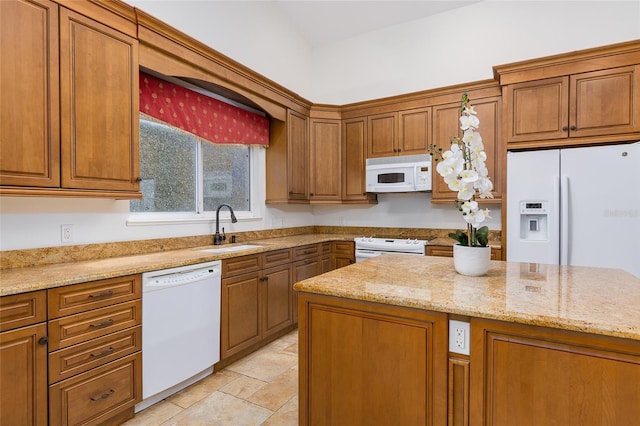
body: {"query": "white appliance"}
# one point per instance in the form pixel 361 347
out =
pixel 368 247
pixel 406 173
pixel 181 328
pixel 575 206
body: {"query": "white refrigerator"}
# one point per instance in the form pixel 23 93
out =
pixel 575 206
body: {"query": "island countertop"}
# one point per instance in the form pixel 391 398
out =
pixel 592 300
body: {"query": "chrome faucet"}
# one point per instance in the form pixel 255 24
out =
pixel 218 239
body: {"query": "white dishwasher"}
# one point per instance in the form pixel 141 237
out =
pixel 180 328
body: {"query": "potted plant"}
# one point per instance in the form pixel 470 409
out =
pixel 463 168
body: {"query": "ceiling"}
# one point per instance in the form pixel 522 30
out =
pixel 325 21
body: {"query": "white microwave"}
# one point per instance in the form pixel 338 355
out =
pixel 408 173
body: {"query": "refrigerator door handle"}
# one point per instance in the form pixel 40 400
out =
pixel 564 221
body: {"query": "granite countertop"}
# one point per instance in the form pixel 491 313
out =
pixel 593 300
pixel 22 280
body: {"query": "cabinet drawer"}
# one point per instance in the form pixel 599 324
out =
pixel 97 395
pixel 78 328
pixel 277 257
pixel 444 251
pixel 22 309
pixel 94 353
pixel 325 248
pixel 447 251
pixel 242 264
pixel 306 252
pixel 78 298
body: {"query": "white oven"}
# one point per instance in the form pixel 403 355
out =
pixel 368 247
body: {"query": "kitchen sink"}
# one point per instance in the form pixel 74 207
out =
pixel 230 249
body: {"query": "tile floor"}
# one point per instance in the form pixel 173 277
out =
pixel 260 389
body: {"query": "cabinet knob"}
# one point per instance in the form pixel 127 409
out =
pixel 574 128
pixel 565 128
pixel 311 194
pixel 138 179
pixel 43 340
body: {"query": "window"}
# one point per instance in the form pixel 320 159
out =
pixel 183 174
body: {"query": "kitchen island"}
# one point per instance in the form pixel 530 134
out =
pixel 548 344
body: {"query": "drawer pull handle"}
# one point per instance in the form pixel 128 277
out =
pixel 107 293
pixel 103 396
pixel 102 324
pixel 102 353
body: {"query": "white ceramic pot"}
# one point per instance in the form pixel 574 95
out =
pixel 471 261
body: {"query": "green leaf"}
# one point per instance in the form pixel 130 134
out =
pixel 460 237
pixel 482 235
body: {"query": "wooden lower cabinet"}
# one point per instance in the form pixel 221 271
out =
pixel 99 395
pixel 447 251
pixel 371 364
pixel 525 375
pixel 23 376
pixel 256 302
pixel 95 358
pixel 23 359
pixel 343 253
pixel 277 292
pixel 302 270
pixel 241 312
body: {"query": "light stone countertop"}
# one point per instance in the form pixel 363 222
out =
pixel 593 300
pixel 22 280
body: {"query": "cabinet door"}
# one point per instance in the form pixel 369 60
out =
pixel 298 156
pixel 29 134
pixel 325 147
pixel 99 105
pixel 302 270
pixel 415 131
pixel 605 102
pixel 277 289
pixel 354 156
pixel 23 376
pixel 537 110
pixel 382 135
pixel 240 313
pixel 447 125
pixel 362 364
pixel 524 375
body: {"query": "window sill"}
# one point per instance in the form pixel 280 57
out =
pixel 158 219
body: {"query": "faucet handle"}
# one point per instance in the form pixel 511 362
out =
pixel 224 236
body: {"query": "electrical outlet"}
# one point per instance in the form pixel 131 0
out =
pixel 459 334
pixel 67 233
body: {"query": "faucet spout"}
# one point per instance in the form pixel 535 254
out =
pixel 217 238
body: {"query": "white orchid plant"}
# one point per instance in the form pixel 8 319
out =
pixel 464 171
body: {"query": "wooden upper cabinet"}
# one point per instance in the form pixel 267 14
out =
pixel 382 135
pixel 354 156
pixel 69 101
pixel 325 160
pixel 30 91
pixel 298 156
pixel 446 125
pixel 605 102
pixel 100 105
pixel 537 110
pixel 414 131
pixel 399 133
pixel 597 103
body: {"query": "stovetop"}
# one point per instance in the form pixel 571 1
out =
pixel 390 244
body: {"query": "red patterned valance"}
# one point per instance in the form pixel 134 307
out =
pixel 206 117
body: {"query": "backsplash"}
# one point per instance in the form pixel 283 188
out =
pixel 50 255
